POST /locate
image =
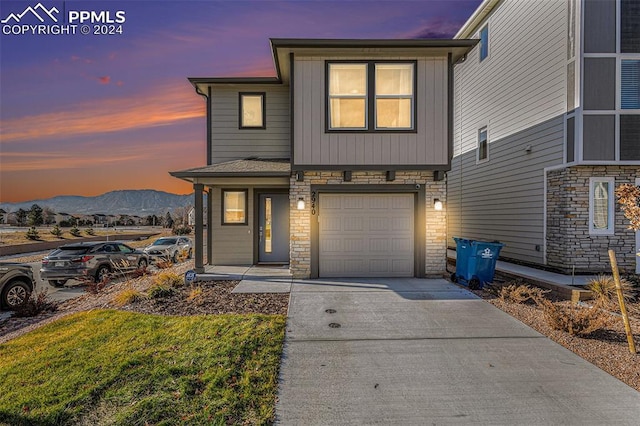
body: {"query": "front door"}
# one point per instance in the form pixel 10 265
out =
pixel 273 228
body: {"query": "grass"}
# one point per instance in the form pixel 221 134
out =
pixel 114 367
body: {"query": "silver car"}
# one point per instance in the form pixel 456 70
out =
pixel 170 248
pixel 93 260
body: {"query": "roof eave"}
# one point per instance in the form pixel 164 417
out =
pixel 476 19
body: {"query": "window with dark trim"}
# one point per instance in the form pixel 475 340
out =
pixel 483 146
pixel 234 207
pixel 252 110
pixel 484 43
pixel 371 96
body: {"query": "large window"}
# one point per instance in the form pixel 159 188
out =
pixel 371 96
pixel 484 43
pixel 483 146
pixel 234 207
pixel 252 114
pixel 601 200
pixel 630 84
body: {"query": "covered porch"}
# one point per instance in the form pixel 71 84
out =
pixel 234 233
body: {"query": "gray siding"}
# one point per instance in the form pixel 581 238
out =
pixel 503 199
pixel 313 146
pixel 231 143
pixel 599 26
pixel 232 244
pixel 599 83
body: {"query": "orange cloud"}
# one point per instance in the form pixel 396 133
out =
pixel 104 80
pixel 162 106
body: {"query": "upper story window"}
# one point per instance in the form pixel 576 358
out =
pixel 483 146
pixel 252 110
pixel 601 200
pixel 371 96
pixel 630 84
pixel 484 43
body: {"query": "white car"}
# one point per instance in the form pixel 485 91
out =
pixel 170 248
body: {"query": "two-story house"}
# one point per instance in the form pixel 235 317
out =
pixel 336 165
pixel 547 124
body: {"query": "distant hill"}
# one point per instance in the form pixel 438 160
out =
pixel 131 202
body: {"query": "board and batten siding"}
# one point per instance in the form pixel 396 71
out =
pixel 315 147
pixel 519 94
pixel 231 244
pixel 231 143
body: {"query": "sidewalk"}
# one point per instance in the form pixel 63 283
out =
pixel 412 351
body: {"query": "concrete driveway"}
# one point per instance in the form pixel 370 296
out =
pixel 411 351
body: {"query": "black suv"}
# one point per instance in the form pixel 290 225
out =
pixel 16 284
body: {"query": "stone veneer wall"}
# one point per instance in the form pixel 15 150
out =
pixel 436 238
pixel 568 239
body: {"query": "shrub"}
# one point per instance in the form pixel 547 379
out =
pixel 195 293
pixel 32 234
pixel 90 231
pixel 127 296
pixel 92 286
pixel 182 230
pixel 163 263
pixel 604 287
pixel 56 231
pixel 36 304
pixel 169 279
pixel 521 294
pixel 74 231
pixel 574 319
pixel 158 290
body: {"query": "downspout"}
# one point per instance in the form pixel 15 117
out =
pixel 199 232
pixel 207 98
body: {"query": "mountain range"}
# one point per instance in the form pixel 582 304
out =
pixel 143 202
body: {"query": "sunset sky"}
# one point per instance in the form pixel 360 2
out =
pixel 87 114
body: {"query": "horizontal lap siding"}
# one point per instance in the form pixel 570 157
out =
pixel 231 143
pixel 232 244
pixel 518 92
pixel 314 146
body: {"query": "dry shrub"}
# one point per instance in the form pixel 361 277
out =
pixel 92 286
pixel 36 304
pixel 168 279
pixel 521 294
pixel 158 290
pixel 604 288
pixel 163 263
pixel 195 293
pixel 127 296
pixel 574 319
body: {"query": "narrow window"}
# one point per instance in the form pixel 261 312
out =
pixel 601 201
pixel 484 43
pixel 394 96
pixel 348 96
pixel 483 146
pixel 252 111
pixel 630 84
pixel 234 207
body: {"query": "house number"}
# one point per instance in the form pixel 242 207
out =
pixel 313 202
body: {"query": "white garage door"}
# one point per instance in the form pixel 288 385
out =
pixel 366 235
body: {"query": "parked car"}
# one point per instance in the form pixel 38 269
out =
pixel 90 259
pixel 16 284
pixel 170 248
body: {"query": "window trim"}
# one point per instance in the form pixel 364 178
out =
pixel 610 206
pixel 481 45
pixel 246 206
pixel 370 99
pixel 264 110
pixel 486 131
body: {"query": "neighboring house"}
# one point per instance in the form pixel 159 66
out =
pixel 547 124
pixel 335 165
pixel 63 217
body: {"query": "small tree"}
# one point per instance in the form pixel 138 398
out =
pixel 33 234
pixel 74 231
pixel 21 217
pixel 90 231
pixel 56 231
pixel 168 220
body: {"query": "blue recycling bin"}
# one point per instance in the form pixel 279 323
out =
pixel 475 262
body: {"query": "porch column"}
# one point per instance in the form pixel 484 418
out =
pixel 199 231
pixel 209 226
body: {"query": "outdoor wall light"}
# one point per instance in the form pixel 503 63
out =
pixel 300 203
pixel 437 204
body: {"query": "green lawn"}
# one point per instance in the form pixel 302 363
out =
pixel 114 367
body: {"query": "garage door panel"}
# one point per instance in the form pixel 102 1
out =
pixel 366 235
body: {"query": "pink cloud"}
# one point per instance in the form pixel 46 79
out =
pixel 104 79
